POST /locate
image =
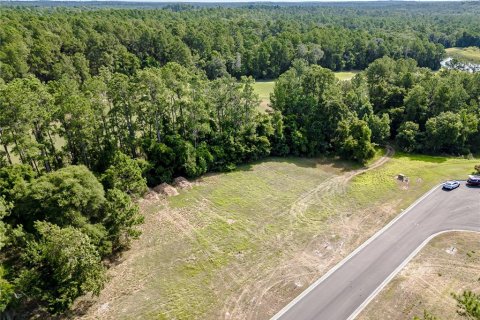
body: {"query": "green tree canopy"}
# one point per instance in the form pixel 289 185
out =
pixel 60 266
pixel 126 175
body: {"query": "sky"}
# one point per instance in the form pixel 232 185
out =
pixel 246 1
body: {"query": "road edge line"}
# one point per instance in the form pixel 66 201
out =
pixel 352 254
pixel 398 269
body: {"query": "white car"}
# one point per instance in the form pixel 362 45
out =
pixel 450 185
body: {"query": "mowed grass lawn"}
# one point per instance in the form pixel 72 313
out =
pixel 470 54
pixel 241 245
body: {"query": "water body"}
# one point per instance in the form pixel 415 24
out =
pixel 451 63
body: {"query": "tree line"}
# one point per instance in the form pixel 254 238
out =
pixel 76 154
pixel 258 41
pixel 97 105
pixel 420 110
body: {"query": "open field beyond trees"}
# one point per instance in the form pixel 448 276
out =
pixel 448 264
pixel 241 245
pixel 265 88
pixel 106 108
pixel 345 75
pixel 470 54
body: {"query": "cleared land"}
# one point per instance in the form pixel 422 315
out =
pixel 448 264
pixel 363 273
pixel 470 54
pixel 241 245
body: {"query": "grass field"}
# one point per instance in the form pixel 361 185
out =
pixel 345 75
pixel 470 54
pixel 448 264
pixel 241 245
pixel 263 89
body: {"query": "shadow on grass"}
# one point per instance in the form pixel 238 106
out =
pixel 421 157
pixel 304 162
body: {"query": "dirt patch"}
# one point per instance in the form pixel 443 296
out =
pixel 182 183
pixel 166 189
pixel 265 106
pixel 151 196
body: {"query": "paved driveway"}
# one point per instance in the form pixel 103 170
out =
pixel 346 289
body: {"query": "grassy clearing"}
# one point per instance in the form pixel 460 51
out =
pixel 345 75
pixel 423 172
pixel 470 54
pixel 264 89
pixel 448 264
pixel 240 245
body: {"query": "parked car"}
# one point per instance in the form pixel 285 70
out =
pixel 473 181
pixel 450 185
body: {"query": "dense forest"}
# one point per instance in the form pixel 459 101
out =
pixel 392 99
pixel 97 104
pixel 258 41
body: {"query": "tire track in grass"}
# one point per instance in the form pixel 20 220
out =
pixel 246 304
pixel 333 185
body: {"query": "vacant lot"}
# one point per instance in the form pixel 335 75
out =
pixel 241 245
pixel 470 54
pixel 448 264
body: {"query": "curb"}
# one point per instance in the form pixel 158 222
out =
pixel 398 269
pixel 279 314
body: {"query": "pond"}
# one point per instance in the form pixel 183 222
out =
pixel 452 63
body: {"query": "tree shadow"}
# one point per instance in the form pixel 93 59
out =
pixel 306 162
pixel 336 163
pixel 81 308
pixel 422 157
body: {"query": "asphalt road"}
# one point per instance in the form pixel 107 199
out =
pixel 346 289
